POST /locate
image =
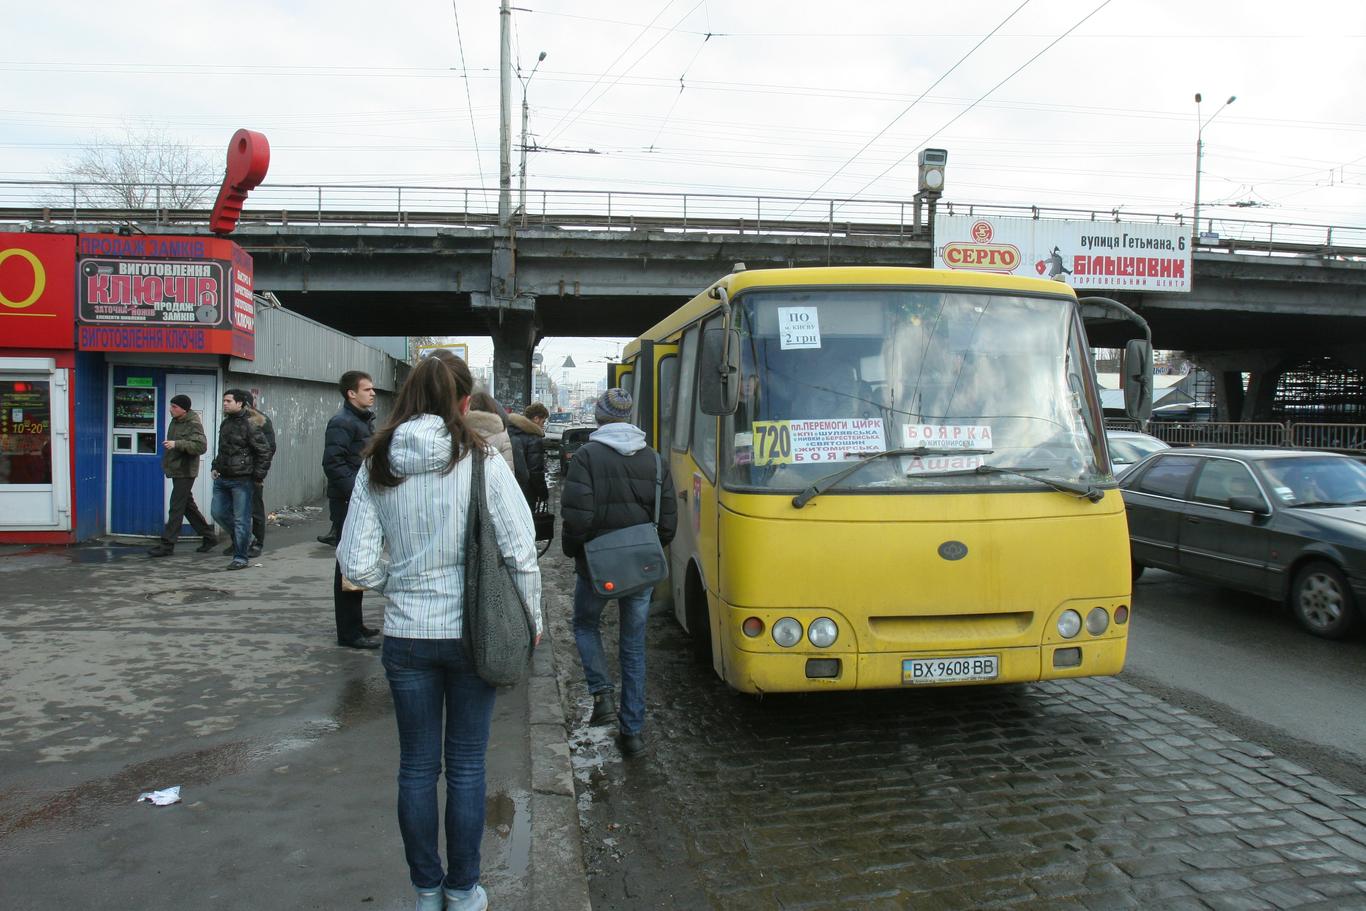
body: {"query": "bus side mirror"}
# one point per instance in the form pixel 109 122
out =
pixel 1138 379
pixel 718 377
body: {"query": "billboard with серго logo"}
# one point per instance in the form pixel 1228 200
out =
pixel 1085 254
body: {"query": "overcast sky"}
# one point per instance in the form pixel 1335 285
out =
pixel 781 97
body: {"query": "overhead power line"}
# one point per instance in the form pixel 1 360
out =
pixel 469 101
pixel 984 96
pixel 1000 25
pixel 648 51
pixel 603 74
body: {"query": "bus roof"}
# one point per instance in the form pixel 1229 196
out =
pixel 736 282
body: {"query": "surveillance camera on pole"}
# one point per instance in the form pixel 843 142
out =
pixel 932 162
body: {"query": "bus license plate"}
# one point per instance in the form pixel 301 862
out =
pixel 949 670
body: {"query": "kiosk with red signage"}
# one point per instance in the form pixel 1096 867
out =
pixel 97 333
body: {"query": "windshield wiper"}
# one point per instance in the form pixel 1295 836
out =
pixel 830 480
pixel 1083 491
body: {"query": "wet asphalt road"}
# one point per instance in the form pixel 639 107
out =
pixel 1245 662
pixel 1087 794
pixel 123 674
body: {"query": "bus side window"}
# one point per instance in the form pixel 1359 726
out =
pixel 687 376
pixel 704 426
pixel 668 388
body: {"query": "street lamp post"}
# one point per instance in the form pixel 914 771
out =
pixel 1200 151
pixel 521 204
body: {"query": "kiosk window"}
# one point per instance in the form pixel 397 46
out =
pixel 25 432
pixel 135 420
pixel 135 408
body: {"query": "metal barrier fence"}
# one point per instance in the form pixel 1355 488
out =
pixel 1123 424
pixel 1219 433
pixel 60 202
pixel 1295 435
pixel 1350 437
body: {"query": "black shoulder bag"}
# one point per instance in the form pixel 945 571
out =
pixel 628 560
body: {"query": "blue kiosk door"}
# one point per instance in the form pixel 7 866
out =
pixel 137 425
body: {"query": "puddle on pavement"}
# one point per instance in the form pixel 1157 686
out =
pixel 510 817
pixel 179 596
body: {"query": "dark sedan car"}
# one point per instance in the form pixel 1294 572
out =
pixel 571 440
pixel 1278 523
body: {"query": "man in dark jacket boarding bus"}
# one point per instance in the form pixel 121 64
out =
pixel 611 485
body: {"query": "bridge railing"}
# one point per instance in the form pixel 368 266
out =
pixel 162 205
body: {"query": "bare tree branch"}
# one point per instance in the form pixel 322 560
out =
pixel 182 176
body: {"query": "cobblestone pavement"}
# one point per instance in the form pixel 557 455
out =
pixel 1086 794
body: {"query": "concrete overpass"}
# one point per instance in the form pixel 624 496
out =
pixel 1260 304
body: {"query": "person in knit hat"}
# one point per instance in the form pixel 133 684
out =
pixel 611 485
pixel 180 451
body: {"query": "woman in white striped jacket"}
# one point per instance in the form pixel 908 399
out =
pixel 411 498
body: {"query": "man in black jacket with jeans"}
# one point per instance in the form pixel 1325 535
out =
pixel 611 485
pixel 243 461
pixel 347 433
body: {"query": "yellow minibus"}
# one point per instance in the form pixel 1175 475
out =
pixel 890 477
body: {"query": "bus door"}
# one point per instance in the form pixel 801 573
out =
pixel 619 375
pixel 654 399
pixel 693 460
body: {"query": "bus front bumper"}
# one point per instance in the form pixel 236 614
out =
pixel 791 672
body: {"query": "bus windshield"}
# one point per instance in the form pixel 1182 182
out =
pixel 973 381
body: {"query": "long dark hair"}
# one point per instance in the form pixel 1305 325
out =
pixel 436 386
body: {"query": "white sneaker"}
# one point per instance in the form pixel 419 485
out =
pixel 429 899
pixel 475 899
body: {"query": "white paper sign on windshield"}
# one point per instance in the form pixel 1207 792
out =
pixel 946 436
pixel 931 464
pixel 798 327
pixel 817 441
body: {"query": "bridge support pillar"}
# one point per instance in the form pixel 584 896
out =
pixel 1228 395
pixel 1261 393
pixel 514 339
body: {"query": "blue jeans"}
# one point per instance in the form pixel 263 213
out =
pixel 427 676
pixel 232 509
pixel 634 609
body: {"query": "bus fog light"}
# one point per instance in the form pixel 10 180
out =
pixel 1069 624
pixel 822 668
pixel 823 632
pixel 1121 615
pixel 1067 657
pixel 753 627
pixel 1097 621
pixel 787 632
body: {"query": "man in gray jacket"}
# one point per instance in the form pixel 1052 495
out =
pixel 184 444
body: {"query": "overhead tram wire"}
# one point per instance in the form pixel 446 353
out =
pixel 623 73
pixel 624 51
pixel 469 101
pixel 983 97
pixel 961 60
pixel 681 87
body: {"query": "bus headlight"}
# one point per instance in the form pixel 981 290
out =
pixel 1069 624
pixel 1097 621
pixel 823 632
pixel 787 632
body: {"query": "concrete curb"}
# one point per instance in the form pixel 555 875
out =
pixel 559 879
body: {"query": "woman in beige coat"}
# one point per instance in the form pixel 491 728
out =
pixel 485 417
